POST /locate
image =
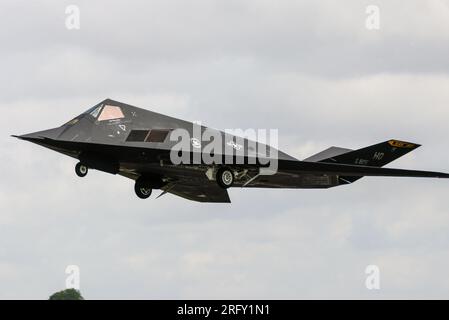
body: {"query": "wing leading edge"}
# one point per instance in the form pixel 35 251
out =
pixel 355 170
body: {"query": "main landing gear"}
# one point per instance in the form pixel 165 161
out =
pixel 225 177
pixel 81 169
pixel 142 188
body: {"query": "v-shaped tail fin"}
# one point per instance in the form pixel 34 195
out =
pixel 377 155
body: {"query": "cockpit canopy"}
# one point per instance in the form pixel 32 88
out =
pixel 105 112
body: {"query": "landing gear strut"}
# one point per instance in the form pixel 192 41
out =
pixel 225 178
pixel 142 189
pixel 81 169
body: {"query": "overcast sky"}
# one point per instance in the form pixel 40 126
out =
pixel 308 68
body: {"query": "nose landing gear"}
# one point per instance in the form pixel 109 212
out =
pixel 81 169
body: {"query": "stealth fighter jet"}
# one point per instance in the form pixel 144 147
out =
pixel 146 146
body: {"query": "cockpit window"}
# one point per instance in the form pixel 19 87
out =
pixel 94 113
pixel 92 109
pixel 110 113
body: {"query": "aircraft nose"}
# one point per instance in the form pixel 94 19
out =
pixel 41 135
